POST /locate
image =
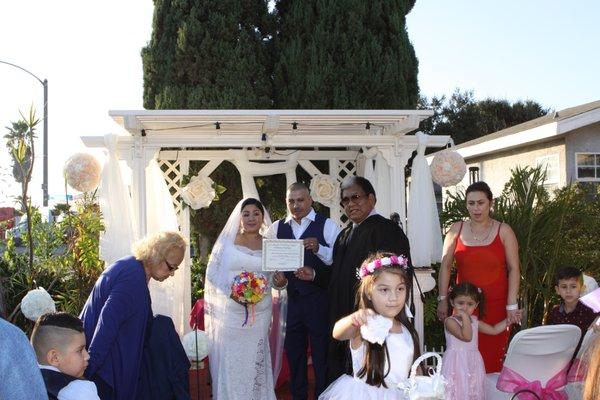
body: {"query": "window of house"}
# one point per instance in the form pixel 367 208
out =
pixel 588 166
pixel 552 166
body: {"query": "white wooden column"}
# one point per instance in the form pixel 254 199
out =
pixel 138 163
pixel 397 187
pixel 184 227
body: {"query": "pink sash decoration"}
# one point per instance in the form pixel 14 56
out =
pixel 578 371
pixel 510 381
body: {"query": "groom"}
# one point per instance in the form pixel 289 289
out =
pixel 307 317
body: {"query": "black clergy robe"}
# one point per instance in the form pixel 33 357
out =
pixel 375 233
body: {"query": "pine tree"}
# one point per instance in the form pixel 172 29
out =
pixel 209 54
pixel 344 54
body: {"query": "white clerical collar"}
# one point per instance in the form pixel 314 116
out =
pixel 310 216
pixel 373 212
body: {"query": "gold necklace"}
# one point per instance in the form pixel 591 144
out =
pixel 486 236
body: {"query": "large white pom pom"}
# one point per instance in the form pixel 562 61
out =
pixel 37 302
pixel 82 172
pixel 448 168
pixel 189 342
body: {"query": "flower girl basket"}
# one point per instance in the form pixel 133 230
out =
pixel 425 387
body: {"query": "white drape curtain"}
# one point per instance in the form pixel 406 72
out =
pixel 423 226
pixel 120 227
pixel 379 176
pixel 249 169
pixel 168 297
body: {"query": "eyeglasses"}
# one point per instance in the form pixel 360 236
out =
pixel 355 198
pixel 171 267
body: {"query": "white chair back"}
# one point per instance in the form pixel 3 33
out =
pixel 542 352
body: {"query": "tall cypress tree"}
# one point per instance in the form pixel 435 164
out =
pixel 208 54
pixel 344 54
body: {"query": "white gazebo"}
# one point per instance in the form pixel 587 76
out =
pixel 370 143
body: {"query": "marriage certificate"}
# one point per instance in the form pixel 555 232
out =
pixel 282 254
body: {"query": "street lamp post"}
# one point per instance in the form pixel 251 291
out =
pixel 45 134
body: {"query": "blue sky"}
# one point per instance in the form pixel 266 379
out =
pixel 89 52
pixel 548 51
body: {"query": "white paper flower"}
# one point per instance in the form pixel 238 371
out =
pixel 448 168
pixel 377 329
pixel 189 342
pixel 199 193
pixel 37 302
pixel 82 172
pixel 325 190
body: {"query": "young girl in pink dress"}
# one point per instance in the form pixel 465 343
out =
pixel 462 364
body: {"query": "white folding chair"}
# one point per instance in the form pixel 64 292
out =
pixel 536 354
pixel 589 284
pixel 578 369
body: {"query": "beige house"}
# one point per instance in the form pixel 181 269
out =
pixel 566 142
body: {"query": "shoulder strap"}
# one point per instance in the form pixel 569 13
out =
pixel 461 226
pixel 499 226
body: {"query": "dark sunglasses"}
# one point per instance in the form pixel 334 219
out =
pixel 355 198
pixel 171 267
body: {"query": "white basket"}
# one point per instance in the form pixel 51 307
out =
pixel 425 387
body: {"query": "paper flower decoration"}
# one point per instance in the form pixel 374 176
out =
pixel 377 329
pixel 199 193
pixel 82 172
pixel 325 190
pixel 248 288
pixel 448 168
pixel 195 344
pixel 37 302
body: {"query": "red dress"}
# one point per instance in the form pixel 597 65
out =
pixel 485 267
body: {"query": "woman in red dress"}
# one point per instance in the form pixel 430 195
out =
pixel 486 254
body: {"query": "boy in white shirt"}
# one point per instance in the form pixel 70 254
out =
pixel 59 343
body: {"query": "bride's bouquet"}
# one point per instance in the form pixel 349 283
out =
pixel 248 288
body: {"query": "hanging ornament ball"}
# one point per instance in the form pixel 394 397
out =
pixel 37 302
pixel 82 172
pixel 448 168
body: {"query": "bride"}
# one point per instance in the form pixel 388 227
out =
pixel 240 356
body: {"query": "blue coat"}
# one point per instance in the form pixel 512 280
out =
pixel 116 318
pixel 20 377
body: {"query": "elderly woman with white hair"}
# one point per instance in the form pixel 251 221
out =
pixel 118 313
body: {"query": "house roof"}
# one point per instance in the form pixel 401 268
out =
pixel 547 127
pixel 552 117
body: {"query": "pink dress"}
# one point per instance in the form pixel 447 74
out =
pixel 463 367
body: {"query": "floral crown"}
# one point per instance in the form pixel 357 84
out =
pixel 369 268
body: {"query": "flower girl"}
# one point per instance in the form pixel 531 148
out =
pixel 462 363
pixel 383 342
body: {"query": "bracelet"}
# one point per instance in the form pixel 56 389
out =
pixel 512 307
pixel 441 297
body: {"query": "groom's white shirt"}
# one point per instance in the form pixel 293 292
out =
pixel 330 232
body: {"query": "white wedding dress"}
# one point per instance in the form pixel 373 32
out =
pixel 239 356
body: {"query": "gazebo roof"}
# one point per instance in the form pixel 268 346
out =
pixel 253 122
pixel 282 128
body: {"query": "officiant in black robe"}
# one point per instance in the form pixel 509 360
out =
pixel 368 233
